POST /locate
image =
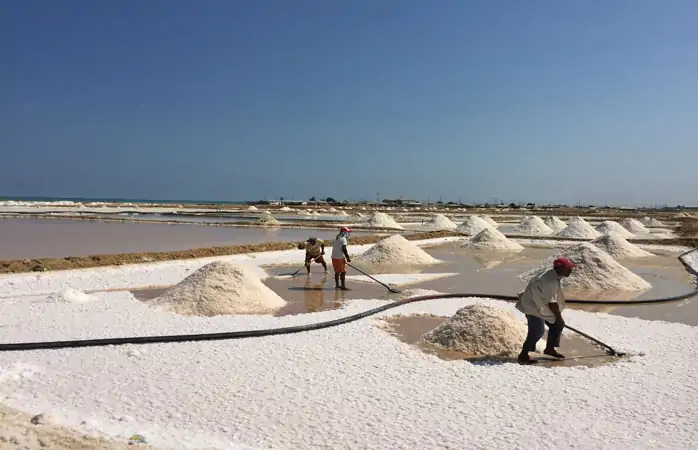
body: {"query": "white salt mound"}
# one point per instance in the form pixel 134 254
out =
pixel 286 209
pixel 303 213
pixel 596 271
pixel 480 330
pixel 382 220
pixel 472 225
pixel 395 250
pixel 634 226
pixel 578 228
pixel 610 226
pixel 492 239
pixel 651 222
pixel 71 295
pixel 440 222
pixel 267 219
pixel 220 288
pixel 252 208
pixel 489 220
pixel 618 247
pixel 533 225
pixel 342 213
pixel 554 223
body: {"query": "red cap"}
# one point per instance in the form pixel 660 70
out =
pixel 345 229
pixel 564 262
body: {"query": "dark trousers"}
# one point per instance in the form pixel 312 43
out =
pixel 536 330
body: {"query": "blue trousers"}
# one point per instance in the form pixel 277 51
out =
pixel 536 330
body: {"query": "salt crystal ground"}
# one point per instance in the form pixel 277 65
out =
pixel 353 386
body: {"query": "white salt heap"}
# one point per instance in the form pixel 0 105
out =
pixel 489 220
pixel 382 220
pixel 395 250
pixel 303 213
pixel 342 213
pixel 472 225
pixel 70 295
pixel 492 239
pixel 554 223
pixel 533 225
pixel 268 220
pixel 480 330
pixel 440 222
pixel 634 226
pixel 220 288
pixel 651 222
pixel 286 209
pixel 252 208
pixel 610 226
pixel 618 247
pixel 596 271
pixel 578 228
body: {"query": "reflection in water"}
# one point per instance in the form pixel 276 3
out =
pixel 314 294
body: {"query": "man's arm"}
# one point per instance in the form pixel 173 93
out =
pixel 555 308
pixel 345 251
pixel 322 246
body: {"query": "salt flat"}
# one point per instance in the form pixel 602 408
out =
pixel 353 386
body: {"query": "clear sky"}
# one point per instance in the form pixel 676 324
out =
pixel 548 101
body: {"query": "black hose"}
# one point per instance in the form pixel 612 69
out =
pixel 21 346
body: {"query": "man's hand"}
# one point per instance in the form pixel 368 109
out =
pixel 348 259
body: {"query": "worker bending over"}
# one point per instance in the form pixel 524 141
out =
pixel 314 251
pixel 340 258
pixel 542 302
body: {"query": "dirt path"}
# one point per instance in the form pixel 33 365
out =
pixel 20 432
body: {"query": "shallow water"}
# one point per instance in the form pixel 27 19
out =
pixel 57 238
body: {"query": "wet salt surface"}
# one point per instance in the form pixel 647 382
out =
pixel 58 238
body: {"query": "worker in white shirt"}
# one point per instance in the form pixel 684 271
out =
pixel 314 251
pixel 340 258
pixel 542 302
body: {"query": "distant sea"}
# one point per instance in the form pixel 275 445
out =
pixel 120 200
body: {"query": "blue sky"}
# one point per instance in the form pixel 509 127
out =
pixel 592 101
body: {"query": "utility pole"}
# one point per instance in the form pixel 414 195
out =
pixel 378 195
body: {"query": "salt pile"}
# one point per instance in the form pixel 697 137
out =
pixel 578 228
pixel 220 288
pixel 252 208
pixel 267 220
pixel 489 220
pixel 303 213
pixel 596 271
pixel 492 239
pixel 533 225
pixel 286 209
pixel 71 295
pixel 610 226
pixel 634 226
pixel 554 223
pixel 342 213
pixel 480 330
pixel 618 247
pixel 382 220
pixel 472 225
pixel 395 250
pixel 440 222
pixel 651 222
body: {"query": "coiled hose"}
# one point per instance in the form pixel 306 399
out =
pixel 22 346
